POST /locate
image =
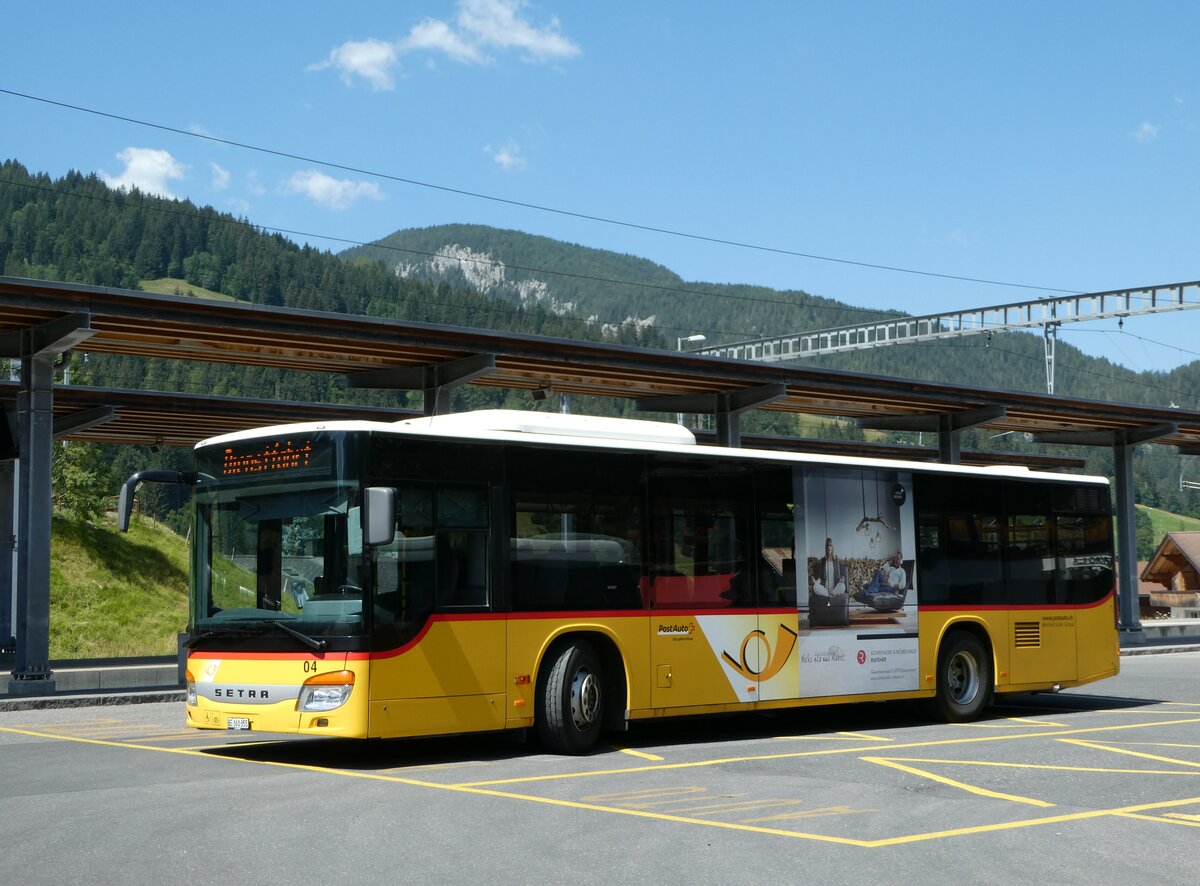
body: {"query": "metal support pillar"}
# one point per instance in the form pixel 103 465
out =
pixel 8 637
pixel 38 348
pixel 949 441
pixel 725 406
pixel 1050 333
pixel 1127 593
pixel 436 381
pixel 35 410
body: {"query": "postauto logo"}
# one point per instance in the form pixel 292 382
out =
pixel 776 657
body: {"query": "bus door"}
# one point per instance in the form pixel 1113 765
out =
pixel 700 581
pixel 434 595
pixel 776 670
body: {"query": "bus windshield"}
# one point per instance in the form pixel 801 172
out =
pixel 278 542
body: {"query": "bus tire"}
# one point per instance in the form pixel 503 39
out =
pixel 964 678
pixel 571 702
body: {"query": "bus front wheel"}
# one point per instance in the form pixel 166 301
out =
pixel 964 678
pixel 571 701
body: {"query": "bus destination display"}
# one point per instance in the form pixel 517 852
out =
pixel 275 457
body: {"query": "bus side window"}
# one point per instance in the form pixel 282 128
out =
pixel 699 544
pixel 461 519
pixel 933 575
pixel 966 567
pixel 1027 561
pixel 576 527
pixel 1084 568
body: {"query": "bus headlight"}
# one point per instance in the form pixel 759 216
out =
pixel 324 692
pixel 191 689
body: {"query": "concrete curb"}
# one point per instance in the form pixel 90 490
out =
pixel 1161 650
pixel 44 702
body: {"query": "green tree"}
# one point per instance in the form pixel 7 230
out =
pixel 80 480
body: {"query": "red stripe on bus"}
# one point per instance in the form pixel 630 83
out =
pixel 1023 607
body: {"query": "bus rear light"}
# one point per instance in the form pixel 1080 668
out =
pixel 324 692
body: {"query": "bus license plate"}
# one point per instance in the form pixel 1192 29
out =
pixel 237 723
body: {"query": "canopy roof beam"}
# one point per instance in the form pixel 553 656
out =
pixel 436 381
pixel 725 406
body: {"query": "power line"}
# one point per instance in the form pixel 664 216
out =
pixel 522 204
pixel 1161 344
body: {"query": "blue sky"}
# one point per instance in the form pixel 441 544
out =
pixel 1048 144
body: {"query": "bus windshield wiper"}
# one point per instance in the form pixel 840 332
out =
pixel 308 641
pixel 224 631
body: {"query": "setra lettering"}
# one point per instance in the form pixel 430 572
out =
pixel 259 694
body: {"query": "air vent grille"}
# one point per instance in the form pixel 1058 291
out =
pixel 1027 634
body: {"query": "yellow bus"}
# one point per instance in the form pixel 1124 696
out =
pixel 507 570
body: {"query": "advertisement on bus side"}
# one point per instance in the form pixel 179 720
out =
pixel 856 582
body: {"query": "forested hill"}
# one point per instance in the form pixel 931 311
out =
pixel 613 288
pixel 78 229
pixel 605 287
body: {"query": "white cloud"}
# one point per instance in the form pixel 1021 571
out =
pixel 328 191
pixel 370 59
pixel 480 27
pixel 432 35
pixel 148 170
pixel 507 156
pixel 1145 133
pixel 220 177
pixel 497 23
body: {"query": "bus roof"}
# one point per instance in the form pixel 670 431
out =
pixel 514 425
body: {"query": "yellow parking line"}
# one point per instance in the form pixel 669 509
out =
pixel 999 764
pixel 862 735
pixel 1101 747
pixel 1191 821
pixel 634 753
pixel 697 764
pixel 467 789
pixel 969 788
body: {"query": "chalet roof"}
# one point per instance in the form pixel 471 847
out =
pixel 1177 552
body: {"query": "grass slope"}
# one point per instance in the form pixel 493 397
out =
pixel 1165 521
pixel 113 594
pixel 175 286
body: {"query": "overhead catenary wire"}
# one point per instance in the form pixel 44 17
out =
pixel 344 167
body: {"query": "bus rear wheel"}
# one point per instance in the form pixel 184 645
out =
pixel 964 678
pixel 571 702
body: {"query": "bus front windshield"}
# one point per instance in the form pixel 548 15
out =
pixel 278 549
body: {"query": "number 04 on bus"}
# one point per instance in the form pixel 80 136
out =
pixel 504 570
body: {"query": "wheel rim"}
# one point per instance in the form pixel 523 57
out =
pixel 963 678
pixel 585 699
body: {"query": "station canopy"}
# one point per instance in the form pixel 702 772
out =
pixel 374 352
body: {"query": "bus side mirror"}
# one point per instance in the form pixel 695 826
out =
pixel 378 516
pixel 125 503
